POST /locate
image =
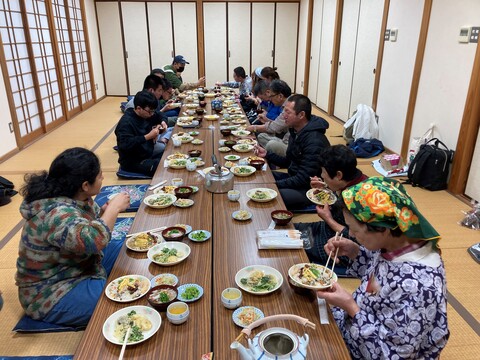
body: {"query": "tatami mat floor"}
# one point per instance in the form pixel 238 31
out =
pixel 93 129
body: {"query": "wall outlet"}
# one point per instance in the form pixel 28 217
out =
pixel 474 33
pixel 387 35
pixel 393 35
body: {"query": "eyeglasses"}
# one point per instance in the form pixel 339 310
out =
pixel 150 112
pixel 273 95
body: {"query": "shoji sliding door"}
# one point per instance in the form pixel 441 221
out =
pixel 315 49
pixel 263 27
pixel 238 37
pixel 286 24
pixel 215 37
pixel 160 33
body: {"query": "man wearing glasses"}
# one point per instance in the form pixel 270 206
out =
pixel 137 133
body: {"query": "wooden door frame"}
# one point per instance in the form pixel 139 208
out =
pixel 467 136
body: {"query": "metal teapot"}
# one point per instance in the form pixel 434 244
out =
pixel 274 343
pixel 218 180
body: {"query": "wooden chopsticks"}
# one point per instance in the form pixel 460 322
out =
pixel 330 255
pixel 147 231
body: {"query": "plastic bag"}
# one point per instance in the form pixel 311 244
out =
pixel 472 218
pixel 416 142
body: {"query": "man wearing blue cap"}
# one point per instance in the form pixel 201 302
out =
pixel 173 74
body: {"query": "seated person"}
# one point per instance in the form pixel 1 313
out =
pixel 260 102
pixel 65 254
pixel 173 74
pixel 338 164
pixel 399 311
pixel 137 133
pixel 269 74
pixel 166 103
pixel 307 139
pixel 244 83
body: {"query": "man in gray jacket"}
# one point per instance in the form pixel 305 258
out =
pixel 307 139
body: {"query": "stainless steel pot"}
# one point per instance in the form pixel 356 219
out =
pixel 218 180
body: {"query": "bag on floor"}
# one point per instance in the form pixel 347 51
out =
pixel 6 191
pixel 363 124
pixel 367 148
pixel 418 141
pixel 431 166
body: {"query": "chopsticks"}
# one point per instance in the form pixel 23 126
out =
pixel 146 231
pixel 330 255
pixel 157 185
pixel 127 335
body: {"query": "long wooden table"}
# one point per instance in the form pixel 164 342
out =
pixel 213 265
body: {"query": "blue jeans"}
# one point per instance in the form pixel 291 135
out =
pixel 76 307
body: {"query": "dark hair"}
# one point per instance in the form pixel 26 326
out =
pixel 167 85
pixel 157 71
pixel 152 82
pixel 280 87
pixel 339 158
pixel 270 73
pixel 145 99
pixel 65 177
pixel 240 71
pixel 260 87
pixel 301 103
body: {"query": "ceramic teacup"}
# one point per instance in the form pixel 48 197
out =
pixel 195 122
pixel 221 142
pixel 233 195
pixel 177 181
pixel 176 142
pixel 178 312
pixel 231 298
pixel 191 166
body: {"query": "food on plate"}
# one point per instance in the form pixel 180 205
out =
pixel 242 170
pixel 167 189
pixel 143 241
pixel 177 162
pixel 160 200
pixel 312 275
pixel 177 155
pixel 165 279
pixel 232 157
pixel 321 196
pixel 252 158
pixel 282 215
pixel 174 233
pixel 229 164
pixel 258 281
pixel 162 296
pixel 199 235
pixel 243 147
pixel 197 142
pixel 168 255
pixel 190 293
pixel 248 315
pixel 242 215
pixel 224 149
pixel 184 202
pixel 247 141
pixel 127 288
pixel 260 195
pixel 137 323
pixel 186 139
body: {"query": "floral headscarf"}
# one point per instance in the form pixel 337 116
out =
pixel 384 202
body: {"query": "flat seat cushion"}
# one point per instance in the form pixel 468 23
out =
pixel 29 325
pixel 131 175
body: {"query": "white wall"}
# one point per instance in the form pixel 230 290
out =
pixel 397 71
pixel 302 38
pixel 446 70
pixel 8 142
pixel 94 48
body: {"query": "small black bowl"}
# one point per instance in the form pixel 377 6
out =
pixel 226 132
pixel 230 143
pixel 281 217
pixel 173 233
pixel 154 301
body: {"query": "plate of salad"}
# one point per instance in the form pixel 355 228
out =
pixel 199 235
pixel 259 279
pixel 189 292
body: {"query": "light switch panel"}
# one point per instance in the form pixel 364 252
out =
pixel 393 35
pixel 474 33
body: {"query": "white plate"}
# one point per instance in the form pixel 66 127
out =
pixel 193 233
pixel 194 188
pixel 242 147
pixel 235 170
pixel 173 280
pixel 241 133
pixel 146 311
pixel 193 133
pixel 293 271
pixel 224 149
pixel 330 200
pixel 197 142
pixel 181 289
pixel 177 163
pixel 177 156
pixel 112 292
pixel 173 198
pixel 211 117
pixel 187 228
pixel 186 139
pixel 184 248
pixel 231 157
pixel 267 270
pixel 247 141
pixel 272 194
pixel 184 203
pixel 166 189
pixel 235 215
pixel 130 243
pixel 235 316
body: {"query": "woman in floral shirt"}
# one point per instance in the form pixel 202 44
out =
pixel 399 309
pixel 65 253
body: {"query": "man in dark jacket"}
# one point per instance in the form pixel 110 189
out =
pixel 137 132
pixel 307 139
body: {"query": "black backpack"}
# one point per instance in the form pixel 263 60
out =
pixel 6 191
pixel 431 166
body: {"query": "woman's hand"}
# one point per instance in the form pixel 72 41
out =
pixel 317 183
pixel 346 247
pixel 119 202
pixel 338 296
pixel 323 211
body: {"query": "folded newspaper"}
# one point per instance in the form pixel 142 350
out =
pixel 279 239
